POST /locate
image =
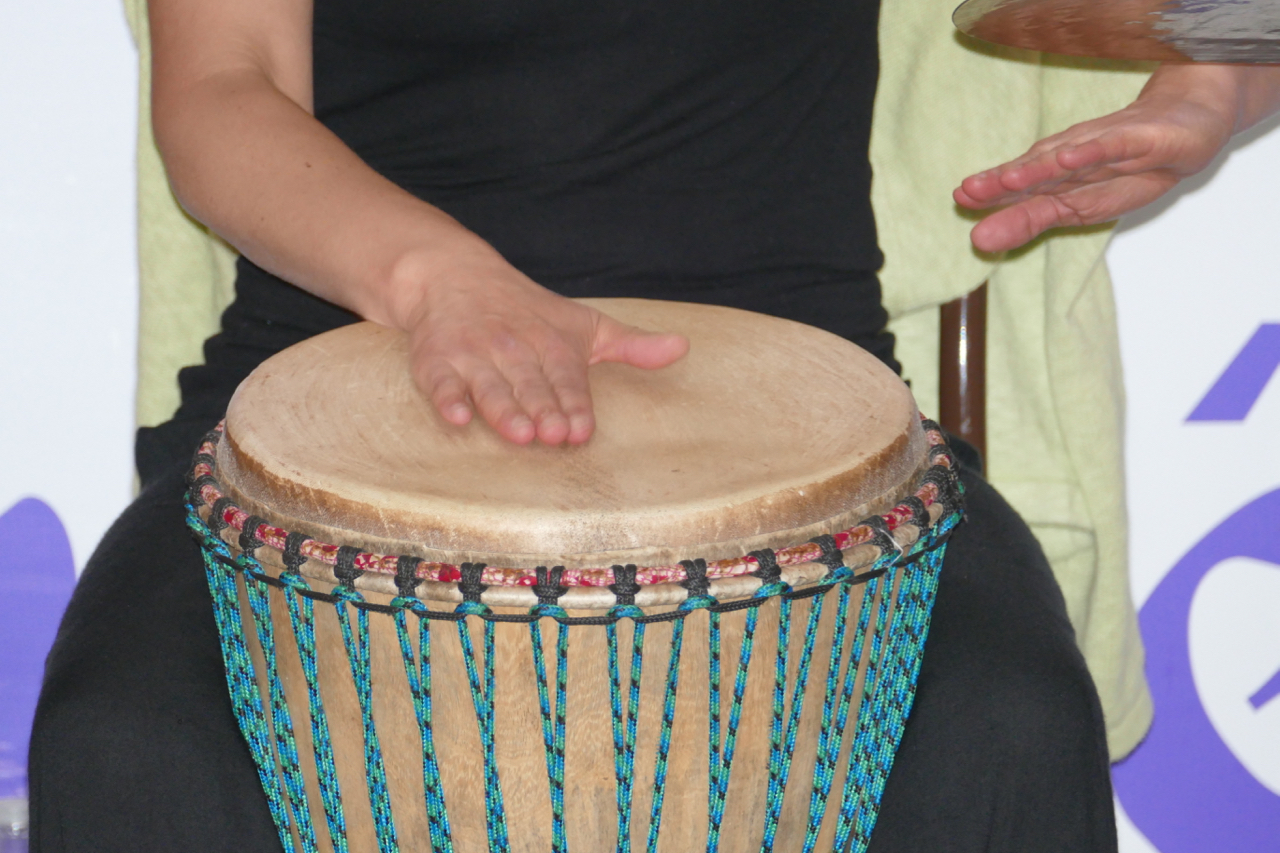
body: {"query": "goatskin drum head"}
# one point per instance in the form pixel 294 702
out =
pixel 767 433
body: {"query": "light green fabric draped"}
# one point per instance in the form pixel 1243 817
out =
pixel 946 108
pixel 1055 398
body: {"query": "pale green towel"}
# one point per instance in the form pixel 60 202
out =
pixel 1055 398
pixel 1055 405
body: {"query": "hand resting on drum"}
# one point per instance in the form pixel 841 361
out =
pixel 1100 169
pixel 233 118
pixel 519 353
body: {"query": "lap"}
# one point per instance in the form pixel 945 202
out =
pixel 136 747
pixel 1005 749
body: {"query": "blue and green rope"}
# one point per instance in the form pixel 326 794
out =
pixel 624 723
pixel 482 698
pixel 302 619
pixel 356 642
pixel 883 654
pixel 418 673
pixel 553 730
pixel 246 700
pixel 282 723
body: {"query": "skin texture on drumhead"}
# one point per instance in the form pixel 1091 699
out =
pixel 767 433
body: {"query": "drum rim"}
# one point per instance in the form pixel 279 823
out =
pixel 776 432
pixel 937 496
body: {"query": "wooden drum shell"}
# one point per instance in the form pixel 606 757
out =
pixel 590 804
pixel 866 454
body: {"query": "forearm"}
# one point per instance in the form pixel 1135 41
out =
pixel 232 110
pixel 1244 94
pixel 255 166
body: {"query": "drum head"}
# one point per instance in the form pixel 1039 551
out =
pixel 769 432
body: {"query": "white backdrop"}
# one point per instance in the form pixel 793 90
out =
pixel 69 282
pixel 68 302
pixel 1194 283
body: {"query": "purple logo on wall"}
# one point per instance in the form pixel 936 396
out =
pixel 1244 380
pixel 1183 787
pixel 36 578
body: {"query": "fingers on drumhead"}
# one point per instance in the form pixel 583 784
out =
pixel 568 377
pixel 534 392
pixel 496 402
pixel 627 344
pixel 448 392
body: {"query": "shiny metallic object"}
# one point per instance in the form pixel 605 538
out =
pixel 1237 31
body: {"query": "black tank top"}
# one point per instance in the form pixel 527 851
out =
pixel 697 150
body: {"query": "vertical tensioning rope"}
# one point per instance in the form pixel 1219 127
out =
pixel 482 698
pixel 418 674
pixel 713 730
pixel 864 753
pixel 286 743
pixel 916 598
pixel 302 618
pixel 357 645
pixel 246 700
pixel 831 732
pixel 777 722
pixel 695 602
pixel 720 793
pixel 874 674
pixel 780 760
pixel 624 723
pixel 822 771
pixel 553 729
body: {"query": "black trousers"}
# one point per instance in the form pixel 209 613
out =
pixel 135 747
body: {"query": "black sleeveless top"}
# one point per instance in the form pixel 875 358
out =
pixel 696 150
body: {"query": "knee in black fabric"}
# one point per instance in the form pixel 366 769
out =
pixel 1038 696
pixel 1004 751
pixel 135 747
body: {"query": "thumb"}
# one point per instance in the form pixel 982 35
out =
pixel 619 342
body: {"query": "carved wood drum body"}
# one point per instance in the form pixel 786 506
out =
pixel 701 629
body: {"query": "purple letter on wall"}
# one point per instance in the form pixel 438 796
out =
pixel 1183 787
pixel 1242 383
pixel 36 578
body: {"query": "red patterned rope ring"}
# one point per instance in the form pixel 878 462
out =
pixel 204 471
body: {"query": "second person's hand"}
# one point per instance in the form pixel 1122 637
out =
pixel 1098 170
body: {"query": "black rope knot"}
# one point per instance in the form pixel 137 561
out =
pixel 191 477
pixel 882 537
pixel 344 568
pixel 832 557
pixel 407 579
pixel 196 485
pixel 292 556
pixel 547 587
pixel 695 577
pixel 210 437
pixel 217 523
pixel 469 584
pixel 939 452
pixel 249 541
pixel 624 586
pixel 919 512
pixel 769 571
pixel 948 493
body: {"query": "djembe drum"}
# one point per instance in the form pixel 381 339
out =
pixel 702 627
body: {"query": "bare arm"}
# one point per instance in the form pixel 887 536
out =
pixel 1100 169
pixel 232 103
